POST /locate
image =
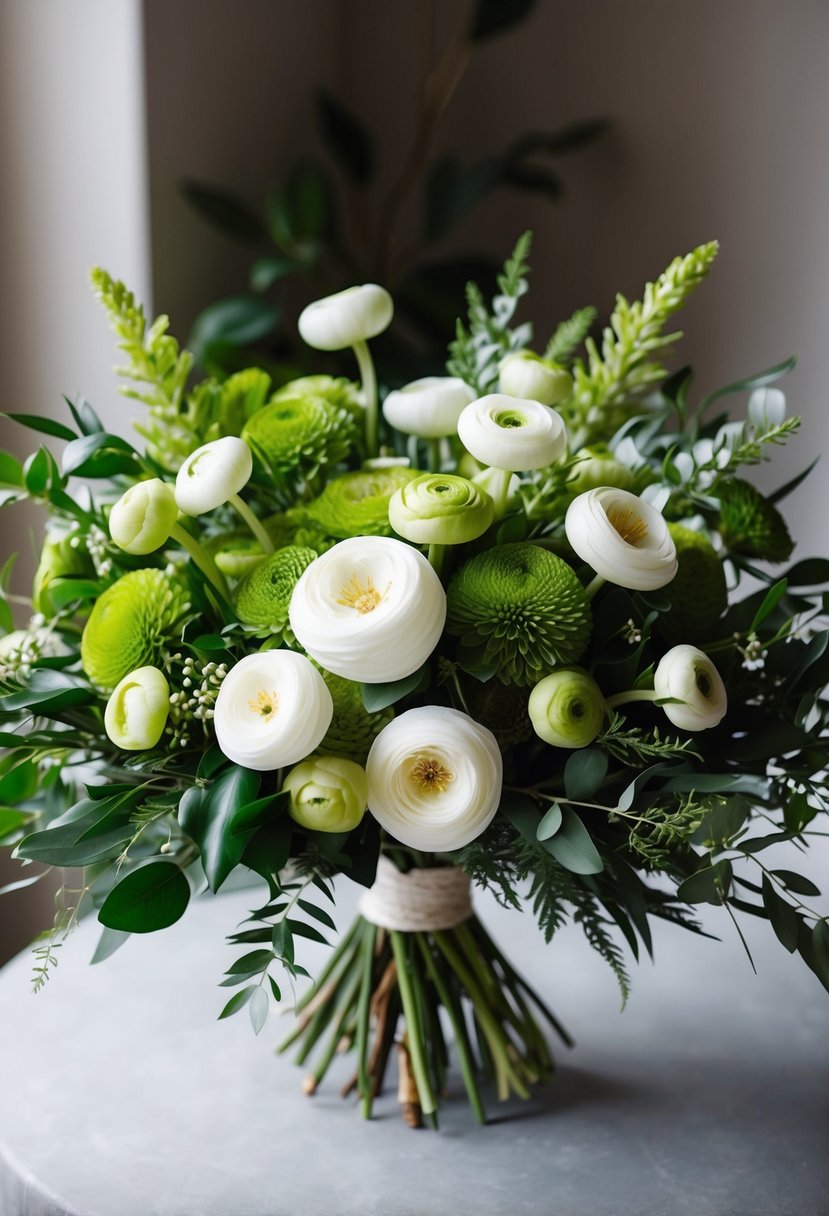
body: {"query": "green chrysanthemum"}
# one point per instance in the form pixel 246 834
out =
pixel 519 609
pixel 337 391
pixel 698 592
pixel 357 504
pixel 264 594
pixel 750 524
pixel 502 708
pixel 130 625
pixel 353 729
pixel 300 434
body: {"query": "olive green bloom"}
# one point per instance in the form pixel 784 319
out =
pixel 130 625
pixel 750 524
pixel 698 591
pixel 567 708
pixel 353 729
pixel 357 504
pixel 327 794
pixel 300 434
pixel 263 595
pixel 518 609
pixel 441 509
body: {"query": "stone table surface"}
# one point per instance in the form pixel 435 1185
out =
pixel 121 1095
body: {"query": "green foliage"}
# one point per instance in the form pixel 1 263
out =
pixel 569 335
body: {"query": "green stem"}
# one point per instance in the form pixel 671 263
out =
pixel 461 1038
pixel 633 694
pixel 499 489
pixel 255 524
pixel 201 557
pixel 369 381
pixel 433 446
pixel 436 555
pixel 407 998
pixel 594 585
pixel 363 1018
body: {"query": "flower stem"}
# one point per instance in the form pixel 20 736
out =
pixel 594 585
pixel 436 555
pixel 633 694
pixel 499 489
pixel 255 524
pixel 201 557
pixel 433 446
pixel 407 999
pixel 363 1016
pixel 369 381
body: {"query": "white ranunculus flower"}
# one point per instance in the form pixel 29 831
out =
pixel 434 778
pixel 213 474
pixel 347 317
pixel 273 709
pixel 429 408
pixel 522 373
pixel 371 609
pixel 687 675
pixel 512 433
pixel 624 539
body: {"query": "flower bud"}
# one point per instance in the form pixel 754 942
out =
pixel 567 708
pixel 688 676
pixel 595 467
pixel 525 374
pixel 434 778
pixel 347 317
pixel 429 408
pixel 136 712
pixel 624 539
pixel 273 709
pixel 440 509
pixel 142 519
pixel 327 794
pixel 213 474
pixel 512 433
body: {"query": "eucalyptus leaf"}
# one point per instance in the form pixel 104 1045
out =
pixel 573 847
pixel 708 885
pixel 150 898
pixel 258 1009
pixel 584 772
pixel 550 823
pixel 782 914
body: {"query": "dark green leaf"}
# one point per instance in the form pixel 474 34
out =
pixel 494 17
pixel 770 601
pixel 226 211
pixel 46 426
pixel 380 696
pixel 790 486
pixel 550 823
pixel 796 882
pixel 533 179
pixel 628 794
pixel 215 820
pixel 11 821
pixel 50 690
pixel 41 472
pixel 86 420
pixel 706 886
pixel 283 942
pixel 267 271
pixel 759 380
pixel 347 138
pixel 811 572
pixel 98 455
pixel 11 470
pixel 252 963
pixel 318 914
pixel 238 320
pixel 584 772
pixel 148 899
pixel 64 591
pixel 783 917
pixel 237 1002
pixel 820 951
pixel 573 847
pixel 300 929
pixel 522 812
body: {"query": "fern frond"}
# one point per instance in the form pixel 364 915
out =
pixel 569 334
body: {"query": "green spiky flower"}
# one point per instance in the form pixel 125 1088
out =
pixel 698 592
pixel 357 504
pixel 299 434
pixel 520 610
pixel 353 729
pixel 264 594
pixel 750 524
pixel 337 391
pixel 130 625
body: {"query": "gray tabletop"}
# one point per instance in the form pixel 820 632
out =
pixel 122 1096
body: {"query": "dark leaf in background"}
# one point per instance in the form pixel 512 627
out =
pixel 151 898
pixel 226 211
pixel 266 271
pixel 346 137
pixel 571 138
pixel 237 321
pixel 706 886
pixel 86 419
pixel 584 772
pixel 783 917
pixel 533 179
pixel 493 17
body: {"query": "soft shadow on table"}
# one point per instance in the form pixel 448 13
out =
pixel 569 1089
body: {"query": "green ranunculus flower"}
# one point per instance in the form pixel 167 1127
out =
pixel 441 509
pixel 137 710
pixel 327 793
pixel 567 708
pixel 357 504
pixel 143 517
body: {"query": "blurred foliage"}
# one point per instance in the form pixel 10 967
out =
pixel 327 223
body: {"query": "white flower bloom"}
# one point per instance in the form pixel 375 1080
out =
pixel 766 408
pixel 434 778
pixel 273 709
pixel 371 609
pixel 136 712
pixel 525 374
pixel 687 675
pixel 512 432
pixel 429 408
pixel 213 474
pixel 624 539
pixel 347 317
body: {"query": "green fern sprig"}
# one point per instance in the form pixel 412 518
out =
pixel 569 334
pixel 633 746
pixel 628 364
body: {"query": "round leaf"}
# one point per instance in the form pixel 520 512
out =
pixel 151 898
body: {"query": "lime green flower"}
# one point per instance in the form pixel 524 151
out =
pixel 750 524
pixel 338 391
pixel 441 509
pixel 357 504
pixel 130 624
pixel 518 609
pixel 137 710
pixel 353 729
pixel 567 708
pixel 143 517
pixel 263 595
pixel 300 434
pixel 327 794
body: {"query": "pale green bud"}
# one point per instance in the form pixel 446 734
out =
pixel 567 708
pixel 143 517
pixel 596 466
pixel 136 712
pixel 440 509
pixel 523 373
pixel 327 793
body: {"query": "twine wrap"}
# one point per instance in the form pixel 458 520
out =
pixel 418 901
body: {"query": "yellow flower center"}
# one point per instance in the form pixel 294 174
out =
pixel 630 526
pixel 430 775
pixel 364 597
pixel 266 704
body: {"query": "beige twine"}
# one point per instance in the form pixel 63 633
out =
pixel 420 900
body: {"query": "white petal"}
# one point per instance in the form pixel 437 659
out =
pixel 429 407
pixel 512 433
pixel 347 317
pixel 644 565
pixel 212 474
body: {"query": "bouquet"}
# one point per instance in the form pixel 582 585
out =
pixel 526 626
